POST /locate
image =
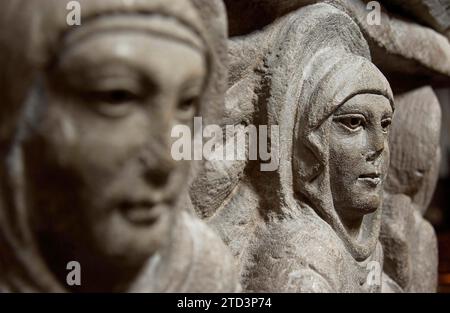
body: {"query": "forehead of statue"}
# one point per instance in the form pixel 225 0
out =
pixel 158 26
pixel 366 102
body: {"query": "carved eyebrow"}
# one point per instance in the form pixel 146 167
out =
pixel 106 72
pixel 351 112
pixel 196 81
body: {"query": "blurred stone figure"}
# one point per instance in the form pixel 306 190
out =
pixel 85 132
pixel 409 241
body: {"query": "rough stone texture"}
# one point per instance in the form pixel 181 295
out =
pixel 408 240
pixel 286 228
pixel 399 46
pixel 434 13
pixel 258 13
pixel 86 171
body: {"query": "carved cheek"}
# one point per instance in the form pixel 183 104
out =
pixel 386 158
pixel 358 148
pixel 342 157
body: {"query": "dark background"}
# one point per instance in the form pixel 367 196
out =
pixel 439 212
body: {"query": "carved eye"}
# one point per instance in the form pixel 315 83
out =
pixel 112 103
pixel 352 122
pixel 385 124
pixel 116 97
pixel 187 107
pixel 187 104
pixel 419 173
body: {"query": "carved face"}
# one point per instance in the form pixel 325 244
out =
pixel 359 154
pixel 100 174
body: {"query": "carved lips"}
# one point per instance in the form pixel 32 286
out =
pixel 142 212
pixel 371 179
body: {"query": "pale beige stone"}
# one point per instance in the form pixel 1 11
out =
pixel 86 168
pixel 435 13
pixel 409 240
pixel 289 229
pixel 399 46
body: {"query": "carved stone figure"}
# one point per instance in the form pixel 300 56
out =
pixel 434 13
pixel 411 45
pixel 330 197
pixel 301 228
pixel 86 168
pixel 408 240
pixel 340 158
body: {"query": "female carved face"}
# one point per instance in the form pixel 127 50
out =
pixel 359 155
pixel 101 179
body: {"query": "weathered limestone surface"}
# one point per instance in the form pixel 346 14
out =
pixel 86 172
pixel 399 46
pixel 285 228
pixel 435 13
pixel 408 240
pixel 402 48
pixel 335 204
pixel 294 230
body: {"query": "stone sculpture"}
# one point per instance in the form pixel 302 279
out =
pixel 335 204
pixel 301 228
pixel 408 240
pixel 341 157
pixel 434 13
pixel 400 45
pixel 86 169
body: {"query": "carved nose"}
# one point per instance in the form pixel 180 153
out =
pixel 158 167
pixel 374 155
pixel 158 177
pixel 376 147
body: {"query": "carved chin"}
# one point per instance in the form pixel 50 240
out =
pixel 360 204
pixel 365 198
pixel 136 242
pixel 357 200
pixel 370 203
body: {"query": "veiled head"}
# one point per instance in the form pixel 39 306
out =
pixel 90 149
pixel 341 152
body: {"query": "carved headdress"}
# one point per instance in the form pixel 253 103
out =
pixel 311 77
pixel 333 78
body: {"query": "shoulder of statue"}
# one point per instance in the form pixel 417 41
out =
pixel 212 267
